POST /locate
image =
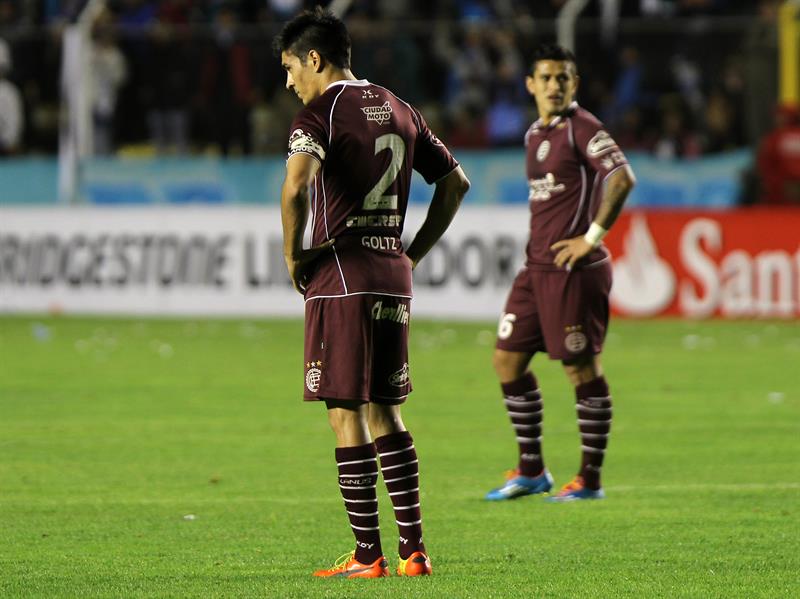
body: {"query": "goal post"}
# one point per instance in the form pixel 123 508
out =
pixel 75 129
pixel 789 50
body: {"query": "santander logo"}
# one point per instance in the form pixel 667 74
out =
pixel 644 283
pixel 743 263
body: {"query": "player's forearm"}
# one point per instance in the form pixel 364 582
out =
pixel 618 186
pixel 294 214
pixel 444 205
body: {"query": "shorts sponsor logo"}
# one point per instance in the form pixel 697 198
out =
pixel 543 150
pixel 300 141
pixel 398 313
pixel 599 144
pixel 400 378
pixel 543 189
pixel 575 341
pixel 313 375
pixel 379 114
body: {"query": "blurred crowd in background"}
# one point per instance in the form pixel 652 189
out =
pixel 676 78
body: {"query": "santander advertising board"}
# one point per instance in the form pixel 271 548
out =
pixel 730 264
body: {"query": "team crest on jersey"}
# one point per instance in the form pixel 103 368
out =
pixel 575 341
pixel 300 141
pixel 400 378
pixel 540 190
pixel 379 114
pixel 543 150
pixel 600 143
pixel 313 375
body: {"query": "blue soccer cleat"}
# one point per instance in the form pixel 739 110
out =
pixel 519 486
pixel 575 490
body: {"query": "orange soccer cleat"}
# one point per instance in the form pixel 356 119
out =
pixel 576 490
pixel 417 564
pixel 348 567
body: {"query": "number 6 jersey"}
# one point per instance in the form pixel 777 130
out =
pixel 367 141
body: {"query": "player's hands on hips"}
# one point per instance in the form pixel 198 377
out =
pixel 569 251
pixel 299 263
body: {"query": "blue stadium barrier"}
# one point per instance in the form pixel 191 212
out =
pixel 497 178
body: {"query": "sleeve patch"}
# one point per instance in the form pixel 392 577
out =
pixel 300 141
pixel 435 140
pixel 601 143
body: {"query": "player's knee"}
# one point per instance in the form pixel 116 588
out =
pixel 384 420
pixel 508 365
pixel 583 369
pixel 342 419
pixel 336 421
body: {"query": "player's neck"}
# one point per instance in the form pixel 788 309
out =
pixel 334 75
pixel 549 118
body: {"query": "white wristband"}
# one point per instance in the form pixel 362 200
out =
pixel 595 234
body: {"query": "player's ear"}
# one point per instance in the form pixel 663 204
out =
pixel 316 60
pixel 529 84
pixel 577 82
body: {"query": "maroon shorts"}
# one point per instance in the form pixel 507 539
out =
pixel 356 347
pixel 562 313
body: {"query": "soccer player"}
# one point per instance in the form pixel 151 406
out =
pixel 354 144
pixel 578 180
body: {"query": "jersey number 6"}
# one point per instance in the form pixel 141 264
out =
pixel 506 325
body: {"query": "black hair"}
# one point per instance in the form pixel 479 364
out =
pixel 316 30
pixel 552 52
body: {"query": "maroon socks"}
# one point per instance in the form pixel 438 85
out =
pixel 358 473
pixel 593 403
pixel 401 474
pixel 524 405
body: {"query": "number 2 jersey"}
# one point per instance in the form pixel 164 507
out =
pixel 367 142
pixel 567 163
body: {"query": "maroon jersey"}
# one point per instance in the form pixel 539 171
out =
pixel 367 141
pixel 567 163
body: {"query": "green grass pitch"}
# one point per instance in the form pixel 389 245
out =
pixel 174 458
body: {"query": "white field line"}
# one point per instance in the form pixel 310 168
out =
pixel 781 486
pixel 188 504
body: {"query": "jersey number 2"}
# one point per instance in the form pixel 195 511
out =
pixel 375 200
